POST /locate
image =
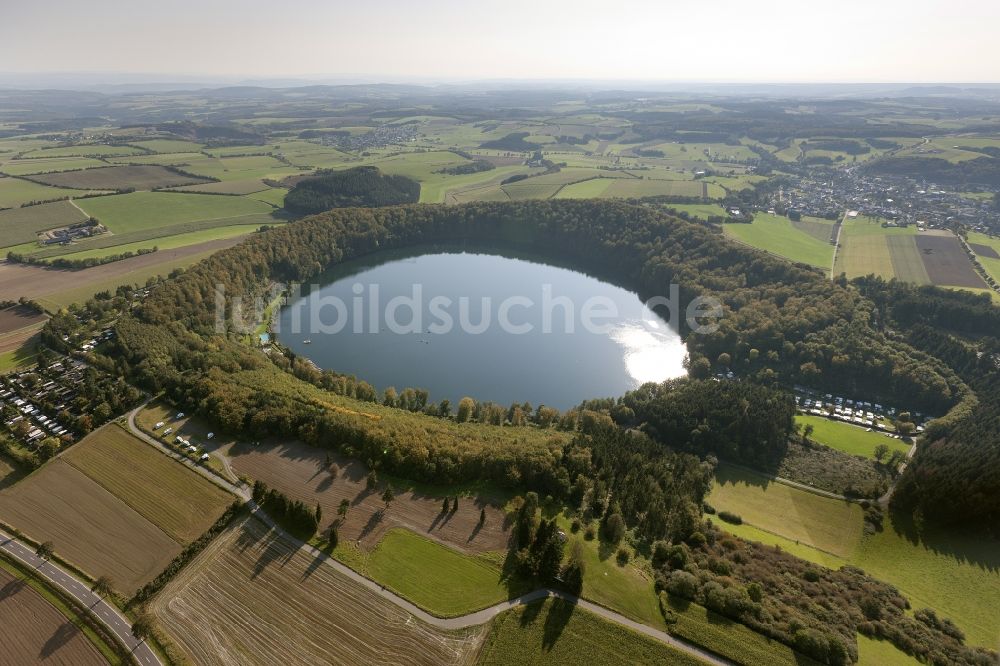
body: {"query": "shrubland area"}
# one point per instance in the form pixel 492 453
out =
pixel 706 507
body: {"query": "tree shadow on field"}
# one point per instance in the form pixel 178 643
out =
pixel 12 588
pixel 326 483
pixel 560 612
pixel 64 634
pixel 531 612
pixel 248 538
pixel 274 550
pixel 316 563
pixel 370 526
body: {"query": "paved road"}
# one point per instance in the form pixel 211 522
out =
pixel 470 620
pixel 106 613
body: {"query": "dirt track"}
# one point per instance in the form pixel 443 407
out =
pixel 300 471
pixel 18 280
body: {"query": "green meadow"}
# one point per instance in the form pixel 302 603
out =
pixel 779 236
pixel 144 210
pixel 849 438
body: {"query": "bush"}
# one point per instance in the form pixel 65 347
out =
pixel 622 556
pixel 614 528
pixel 683 584
pixel 574 527
pixel 589 533
pixel 730 517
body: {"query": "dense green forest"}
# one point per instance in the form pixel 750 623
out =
pixel 781 323
pixel 955 476
pixel 364 186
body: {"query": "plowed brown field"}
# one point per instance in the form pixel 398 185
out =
pixel 300 472
pixel 251 598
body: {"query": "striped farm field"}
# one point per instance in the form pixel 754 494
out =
pixel 272 603
pixel 180 502
pixel 114 506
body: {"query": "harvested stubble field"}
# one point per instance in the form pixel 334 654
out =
pixel 35 632
pixel 269 603
pixel 300 471
pixel 118 177
pixel 169 495
pixel 62 287
pixel 89 527
pixel 18 317
pixel 946 261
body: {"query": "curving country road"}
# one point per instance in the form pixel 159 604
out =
pixel 472 619
pixel 105 613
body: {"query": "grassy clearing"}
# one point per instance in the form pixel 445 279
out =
pixel 795 548
pixel 830 525
pixel 702 211
pixel 777 235
pixel 628 590
pixel 556 632
pixel 436 578
pixel 145 210
pixel 588 189
pixel 873 652
pixel 274 196
pixel 179 502
pixel 957 575
pixel 849 438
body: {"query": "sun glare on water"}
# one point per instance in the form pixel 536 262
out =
pixel 651 351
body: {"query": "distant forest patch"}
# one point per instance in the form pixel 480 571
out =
pixel 475 166
pixel 361 186
pixel 514 142
pixel 980 171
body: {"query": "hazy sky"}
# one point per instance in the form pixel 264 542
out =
pixel 696 40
